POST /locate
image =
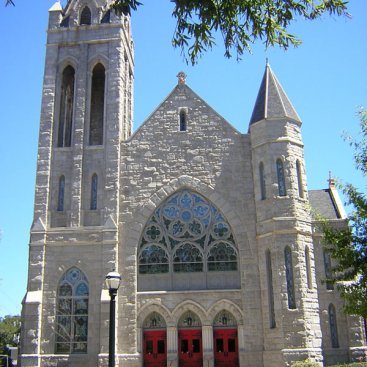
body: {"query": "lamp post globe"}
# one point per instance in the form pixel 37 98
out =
pixel 113 280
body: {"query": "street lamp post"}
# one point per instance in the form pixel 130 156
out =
pixel 113 282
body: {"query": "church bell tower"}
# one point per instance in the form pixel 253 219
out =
pixel 86 112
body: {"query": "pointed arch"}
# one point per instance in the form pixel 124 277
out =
pixel 97 104
pixel 66 107
pixel 187 234
pixel 262 181
pixel 151 307
pixel 183 120
pixel 289 277
pixel 333 326
pixel 229 306
pixel 301 193
pixel 72 312
pixel 269 276
pixel 61 194
pixel 281 178
pixel 85 16
pixel 94 192
pixel 189 305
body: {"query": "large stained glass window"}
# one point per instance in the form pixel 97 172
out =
pixel 72 313
pixel 187 234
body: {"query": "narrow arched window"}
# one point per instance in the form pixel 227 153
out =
pixel 328 271
pixel 97 105
pixel 183 121
pixel 308 268
pixel 106 17
pixel 289 277
pixel 93 192
pixel 187 258
pixel 333 327
pixel 66 107
pixel 72 313
pixel 262 181
pixel 299 179
pixel 281 178
pixel 269 275
pixel 61 194
pixel 86 16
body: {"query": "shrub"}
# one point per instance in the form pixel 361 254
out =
pixel 306 363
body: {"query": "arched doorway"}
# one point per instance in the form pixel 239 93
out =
pixel 225 340
pixel 190 341
pixel 155 341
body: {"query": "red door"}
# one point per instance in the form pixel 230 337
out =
pixel 155 350
pixel 225 348
pixel 190 348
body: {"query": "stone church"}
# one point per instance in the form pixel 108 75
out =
pixel 210 228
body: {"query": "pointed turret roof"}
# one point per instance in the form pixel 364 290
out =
pixel 272 102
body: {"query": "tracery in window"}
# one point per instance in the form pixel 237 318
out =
pixel 66 107
pixel 281 178
pixel 183 120
pixel 188 320
pixel 299 179
pixel 93 192
pixel 308 268
pixel 86 16
pixel 154 321
pixel 191 232
pixel 224 319
pixel 72 313
pixel 153 260
pixel 328 271
pixel 289 277
pixel 222 256
pixel 97 105
pixel 61 194
pixel 333 327
pixel 262 181
pixel 269 275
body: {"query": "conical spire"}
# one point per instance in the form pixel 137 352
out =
pixel 272 102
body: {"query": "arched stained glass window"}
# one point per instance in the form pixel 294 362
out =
pixel 262 181
pixel 154 321
pixel 289 277
pixel 281 178
pixel 66 107
pixel 222 256
pixel 333 327
pixel 308 268
pixel 187 258
pixel 86 16
pixel 190 232
pixel 93 192
pixel 72 313
pixel 183 120
pixel 269 275
pixel 224 319
pixel 188 320
pixel 61 194
pixel 299 179
pixel 153 259
pixel 97 105
pixel 328 271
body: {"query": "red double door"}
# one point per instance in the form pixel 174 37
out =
pixel 155 348
pixel 190 351
pixel 190 348
pixel 225 348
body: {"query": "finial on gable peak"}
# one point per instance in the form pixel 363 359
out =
pixel 181 78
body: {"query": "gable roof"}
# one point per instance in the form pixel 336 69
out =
pixel 272 102
pixel 323 204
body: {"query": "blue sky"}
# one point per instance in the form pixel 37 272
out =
pixel 325 78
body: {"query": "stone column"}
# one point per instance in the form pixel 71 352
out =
pixel 207 340
pixel 172 351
